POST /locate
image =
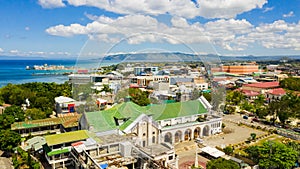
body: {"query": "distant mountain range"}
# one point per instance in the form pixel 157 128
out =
pixel 162 57
pixel 177 57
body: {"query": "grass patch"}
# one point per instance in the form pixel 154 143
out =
pixel 273 137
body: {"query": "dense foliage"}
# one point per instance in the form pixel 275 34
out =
pixel 8 140
pixel 287 106
pixel 290 83
pixel 273 155
pixel 222 163
pixel 40 95
pixel 22 159
pixel 137 96
pixel 11 114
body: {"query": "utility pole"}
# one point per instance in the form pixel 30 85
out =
pixel 196 158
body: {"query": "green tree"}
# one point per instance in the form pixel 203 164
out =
pixel 290 83
pixel 260 100
pixel 230 109
pixel 9 140
pixel 23 159
pixel 222 163
pixel 253 136
pixel 207 96
pixel 195 94
pixel 247 106
pixel 6 121
pixel 228 150
pixel 15 111
pixel 139 97
pixel 253 153
pixel 35 114
pixel 106 88
pixel 273 155
pixel 234 98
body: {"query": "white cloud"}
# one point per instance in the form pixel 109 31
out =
pixel 14 51
pixel 228 8
pixel 27 28
pixel 230 34
pixel 267 9
pixel 1 50
pixel 290 14
pixel 181 8
pixel 61 30
pixel 51 3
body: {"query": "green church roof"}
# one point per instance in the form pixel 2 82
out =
pixel 127 112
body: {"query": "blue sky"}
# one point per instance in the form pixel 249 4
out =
pixel 69 28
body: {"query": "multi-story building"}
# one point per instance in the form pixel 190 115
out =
pixel 145 80
pixel 65 106
pixel 246 68
pixel 144 70
pixel 58 147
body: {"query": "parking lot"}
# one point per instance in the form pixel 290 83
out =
pixel 238 134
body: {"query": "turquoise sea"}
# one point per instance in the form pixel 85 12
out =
pixel 14 71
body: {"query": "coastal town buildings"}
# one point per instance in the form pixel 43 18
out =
pixel 238 68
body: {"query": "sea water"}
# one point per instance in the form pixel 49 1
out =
pixel 14 71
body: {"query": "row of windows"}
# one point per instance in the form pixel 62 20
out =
pixel 215 125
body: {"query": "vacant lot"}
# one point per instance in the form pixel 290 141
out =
pixel 238 134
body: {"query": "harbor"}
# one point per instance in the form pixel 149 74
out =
pixel 49 67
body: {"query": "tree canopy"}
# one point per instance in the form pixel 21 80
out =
pixel 273 155
pixel 11 114
pixel 137 96
pixel 8 140
pixel 40 95
pixel 222 163
pixel 290 83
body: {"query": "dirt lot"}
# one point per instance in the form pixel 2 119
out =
pixel 239 134
pixel 186 151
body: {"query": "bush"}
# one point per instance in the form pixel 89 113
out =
pixel 228 150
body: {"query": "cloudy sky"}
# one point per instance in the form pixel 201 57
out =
pixel 64 28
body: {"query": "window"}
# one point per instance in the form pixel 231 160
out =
pixel 171 157
pixel 144 134
pixel 153 139
pixel 144 143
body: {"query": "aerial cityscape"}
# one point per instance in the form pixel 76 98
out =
pixel 170 84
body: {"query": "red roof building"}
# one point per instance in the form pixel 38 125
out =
pixel 261 87
pixel 264 85
pixel 275 94
pixel 278 92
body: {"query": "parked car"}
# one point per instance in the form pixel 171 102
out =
pixel 255 119
pixel 277 125
pixel 225 112
pixel 199 140
pixel 296 130
pixel 251 115
pixel 245 117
